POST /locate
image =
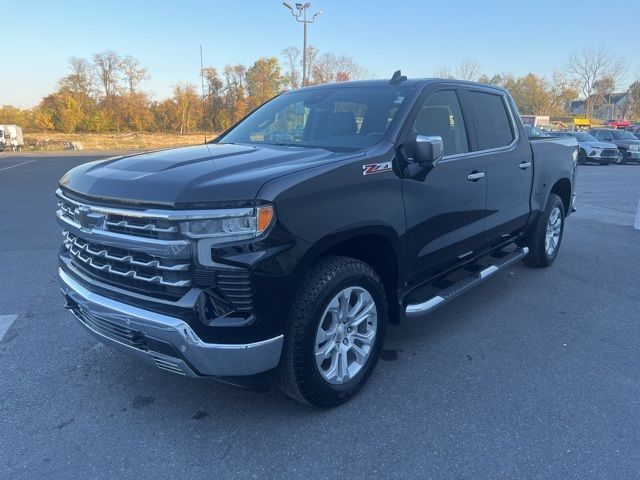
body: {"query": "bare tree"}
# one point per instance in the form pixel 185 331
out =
pixel 312 55
pixel 108 65
pixel 133 73
pixel 292 59
pixel 443 72
pixel 591 65
pixel 82 77
pixel 562 91
pixel 468 70
pixel 333 68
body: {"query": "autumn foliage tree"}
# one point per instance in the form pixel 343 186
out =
pixel 105 93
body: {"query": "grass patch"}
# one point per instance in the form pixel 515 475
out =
pixel 52 141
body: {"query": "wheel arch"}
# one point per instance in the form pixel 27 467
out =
pixel 562 188
pixel 377 246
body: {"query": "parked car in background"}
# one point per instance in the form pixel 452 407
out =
pixel 591 149
pixel 619 123
pixel 534 132
pixel 627 143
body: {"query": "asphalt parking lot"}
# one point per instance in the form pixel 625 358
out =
pixel 534 374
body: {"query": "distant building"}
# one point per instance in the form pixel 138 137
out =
pixel 612 107
pixel 577 107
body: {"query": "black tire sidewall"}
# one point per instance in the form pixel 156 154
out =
pixel 555 202
pixel 582 157
pixel 306 368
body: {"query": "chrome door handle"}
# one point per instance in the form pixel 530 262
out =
pixel 475 176
pixel 524 165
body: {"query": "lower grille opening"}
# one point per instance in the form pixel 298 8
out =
pixel 112 330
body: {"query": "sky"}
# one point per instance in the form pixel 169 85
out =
pixel 418 37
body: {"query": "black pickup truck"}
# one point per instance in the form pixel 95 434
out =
pixel 281 250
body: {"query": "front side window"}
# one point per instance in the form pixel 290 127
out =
pixel 441 116
pixel 346 118
pixel 493 126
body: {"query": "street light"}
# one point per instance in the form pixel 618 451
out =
pixel 300 14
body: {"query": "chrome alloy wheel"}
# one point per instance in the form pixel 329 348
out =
pixel 346 335
pixel 552 237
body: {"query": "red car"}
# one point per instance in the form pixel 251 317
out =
pixel 619 123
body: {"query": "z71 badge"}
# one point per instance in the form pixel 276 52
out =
pixel 372 168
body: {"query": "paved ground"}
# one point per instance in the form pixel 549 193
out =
pixel 534 374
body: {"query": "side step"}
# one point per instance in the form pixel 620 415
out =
pixel 419 309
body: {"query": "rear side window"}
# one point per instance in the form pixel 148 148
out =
pixel 493 123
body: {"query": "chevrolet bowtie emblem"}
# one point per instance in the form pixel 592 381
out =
pixel 88 219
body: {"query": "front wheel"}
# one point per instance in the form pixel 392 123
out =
pixel 544 243
pixel 620 157
pixel 582 157
pixel 334 334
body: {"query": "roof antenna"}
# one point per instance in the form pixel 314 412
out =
pixel 397 78
pixel 204 101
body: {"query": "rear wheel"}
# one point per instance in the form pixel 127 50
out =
pixel 334 334
pixel 545 241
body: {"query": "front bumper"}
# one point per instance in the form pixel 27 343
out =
pixel 598 157
pixel 164 341
pixel 633 155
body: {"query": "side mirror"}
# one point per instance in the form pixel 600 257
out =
pixel 427 150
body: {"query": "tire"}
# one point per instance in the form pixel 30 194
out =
pixel 582 157
pixel 620 158
pixel 540 255
pixel 299 375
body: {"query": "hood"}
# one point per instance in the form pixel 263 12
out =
pixel 599 145
pixel 202 174
pixel 625 142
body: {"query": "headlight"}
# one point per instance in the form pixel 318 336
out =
pixel 231 225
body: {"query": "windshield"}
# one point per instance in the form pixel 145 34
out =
pixel 585 137
pixel 348 118
pixel 622 134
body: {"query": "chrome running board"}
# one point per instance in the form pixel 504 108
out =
pixel 419 309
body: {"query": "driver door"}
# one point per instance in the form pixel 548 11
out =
pixel 445 212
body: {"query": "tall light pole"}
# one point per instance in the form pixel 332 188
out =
pixel 300 14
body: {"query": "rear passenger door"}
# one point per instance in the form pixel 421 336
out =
pixel 508 162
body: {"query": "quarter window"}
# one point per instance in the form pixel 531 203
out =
pixel 441 116
pixel 493 124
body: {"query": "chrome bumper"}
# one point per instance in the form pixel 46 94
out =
pixel 125 327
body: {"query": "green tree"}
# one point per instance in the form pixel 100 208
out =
pixel 264 81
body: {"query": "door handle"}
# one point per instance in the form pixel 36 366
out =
pixel 524 165
pixel 475 176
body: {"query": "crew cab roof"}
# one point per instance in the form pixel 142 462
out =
pixel 410 82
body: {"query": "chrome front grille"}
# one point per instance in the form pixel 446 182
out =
pixel 138 250
pixel 116 221
pixel 129 264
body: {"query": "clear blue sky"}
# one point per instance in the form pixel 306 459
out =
pixel 417 36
